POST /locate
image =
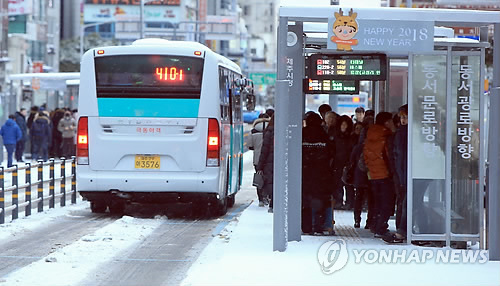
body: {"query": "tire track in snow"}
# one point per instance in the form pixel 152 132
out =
pixel 71 264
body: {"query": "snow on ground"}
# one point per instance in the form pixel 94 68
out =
pixel 245 257
pixel 24 225
pixel 73 263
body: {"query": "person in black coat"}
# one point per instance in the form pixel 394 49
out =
pixel 29 122
pixel 401 167
pixel 266 162
pixel 343 148
pixel 361 183
pixel 57 139
pixel 21 122
pixel 41 135
pixel 315 172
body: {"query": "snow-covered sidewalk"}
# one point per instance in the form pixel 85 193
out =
pixel 244 256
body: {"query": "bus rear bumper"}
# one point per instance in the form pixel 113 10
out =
pixel 145 186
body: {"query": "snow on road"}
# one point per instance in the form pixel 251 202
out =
pixel 24 225
pixel 73 263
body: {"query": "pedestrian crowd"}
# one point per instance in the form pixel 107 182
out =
pixel 46 134
pixel 357 164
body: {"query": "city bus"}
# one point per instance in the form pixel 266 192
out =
pixel 160 122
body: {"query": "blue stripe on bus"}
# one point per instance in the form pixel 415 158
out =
pixel 148 107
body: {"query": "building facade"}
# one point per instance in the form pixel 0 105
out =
pixel 33 46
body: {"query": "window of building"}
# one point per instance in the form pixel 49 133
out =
pixel 246 10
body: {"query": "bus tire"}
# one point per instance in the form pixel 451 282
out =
pixel 98 207
pixel 221 206
pixel 230 200
pixel 117 207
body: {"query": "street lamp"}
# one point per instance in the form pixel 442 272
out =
pixel 142 15
pixel 82 33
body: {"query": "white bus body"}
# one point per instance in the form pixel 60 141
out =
pixel 160 121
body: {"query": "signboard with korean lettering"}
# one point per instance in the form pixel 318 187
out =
pixel 136 2
pixel 329 86
pixel 20 7
pixel 346 66
pixel 429 116
pixel 103 13
pixel 348 31
pixel 466 86
pixel 261 78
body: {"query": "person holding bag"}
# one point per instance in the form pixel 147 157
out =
pixel 255 143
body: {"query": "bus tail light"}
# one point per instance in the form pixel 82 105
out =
pixel 213 143
pixel 82 142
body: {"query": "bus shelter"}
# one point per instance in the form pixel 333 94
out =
pixel 448 144
pixel 53 89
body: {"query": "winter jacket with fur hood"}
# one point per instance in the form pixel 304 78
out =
pixel 257 137
pixel 11 133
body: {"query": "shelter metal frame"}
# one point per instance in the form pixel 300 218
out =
pixel 287 196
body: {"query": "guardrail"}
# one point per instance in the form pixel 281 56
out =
pixel 29 184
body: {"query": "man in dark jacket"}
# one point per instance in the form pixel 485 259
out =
pixel 376 158
pixel 11 133
pixel 315 173
pixel 266 162
pixel 57 138
pixel 29 122
pixel 401 166
pixel 21 122
pixel 343 148
pixel 41 136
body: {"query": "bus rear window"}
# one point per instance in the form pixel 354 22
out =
pixel 148 76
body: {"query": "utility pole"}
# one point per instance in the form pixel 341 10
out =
pixel 142 19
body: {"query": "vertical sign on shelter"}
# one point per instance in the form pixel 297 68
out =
pixel 295 74
pixel 466 92
pixel 429 141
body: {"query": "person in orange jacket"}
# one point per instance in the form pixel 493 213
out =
pixel 376 158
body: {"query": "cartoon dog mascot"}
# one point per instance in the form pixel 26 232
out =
pixel 345 28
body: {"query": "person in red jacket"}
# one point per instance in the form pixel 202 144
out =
pixel 376 157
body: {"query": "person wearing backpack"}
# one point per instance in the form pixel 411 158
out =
pixel 41 136
pixel 11 133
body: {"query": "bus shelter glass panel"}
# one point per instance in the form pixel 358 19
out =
pixel 428 144
pixel 465 190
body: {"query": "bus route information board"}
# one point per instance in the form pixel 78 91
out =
pixel 347 67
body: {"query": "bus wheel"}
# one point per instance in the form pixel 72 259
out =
pixel 98 207
pixel 117 207
pixel 220 206
pixel 230 200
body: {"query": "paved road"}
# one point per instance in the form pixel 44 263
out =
pixel 165 256
pixel 162 258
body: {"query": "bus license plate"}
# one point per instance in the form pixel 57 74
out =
pixel 147 162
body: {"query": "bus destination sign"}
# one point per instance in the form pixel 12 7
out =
pixel 328 86
pixel 347 67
